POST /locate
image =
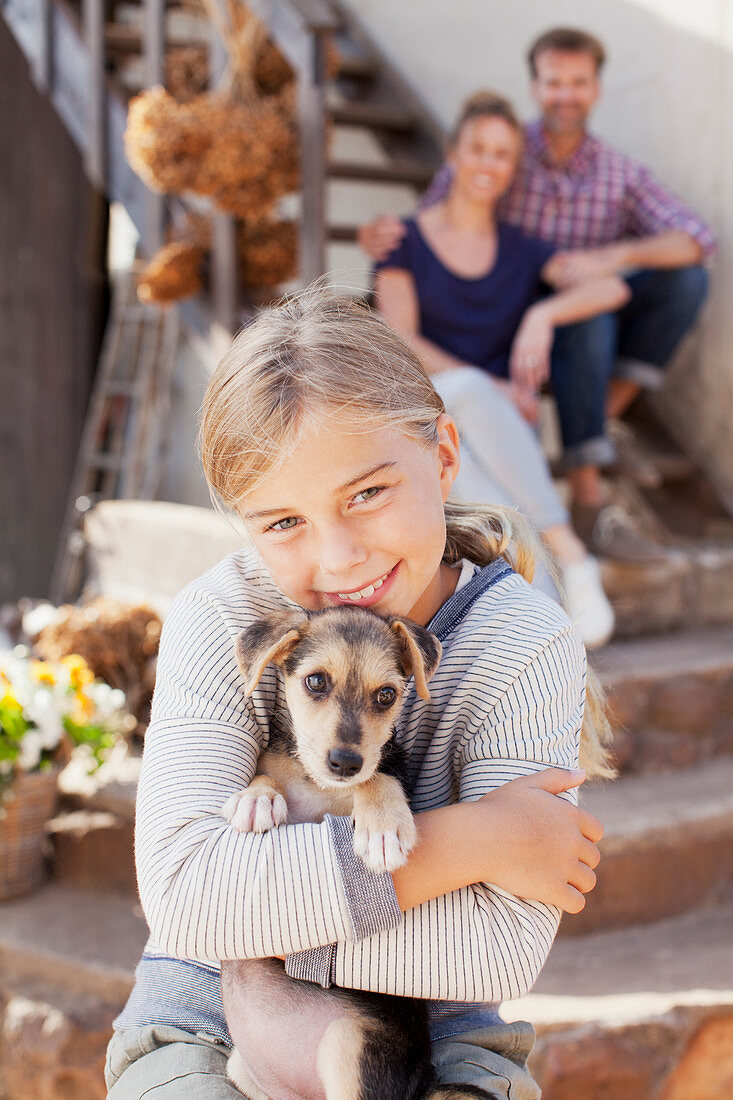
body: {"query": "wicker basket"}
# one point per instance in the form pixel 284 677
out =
pixel 26 806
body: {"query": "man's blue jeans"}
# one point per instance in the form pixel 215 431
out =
pixel 635 343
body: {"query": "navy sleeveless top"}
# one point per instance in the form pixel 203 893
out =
pixel 474 319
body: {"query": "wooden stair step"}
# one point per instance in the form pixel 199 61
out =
pixel 127 38
pixel 671 698
pixel 342 233
pixel 376 116
pixel 419 175
pixel 667 848
pixel 357 66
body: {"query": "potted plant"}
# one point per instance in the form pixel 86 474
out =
pixel 49 710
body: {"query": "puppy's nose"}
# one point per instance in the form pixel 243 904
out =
pixel 344 762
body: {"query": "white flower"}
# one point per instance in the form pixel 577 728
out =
pixel 30 750
pixel 44 713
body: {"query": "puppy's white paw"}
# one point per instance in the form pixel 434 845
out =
pixel 385 849
pixel 255 810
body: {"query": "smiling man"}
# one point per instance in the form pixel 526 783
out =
pixel 579 192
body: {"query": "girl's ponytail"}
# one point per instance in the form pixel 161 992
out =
pixel 483 533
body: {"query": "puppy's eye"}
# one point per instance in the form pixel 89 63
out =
pixel 316 683
pixel 386 696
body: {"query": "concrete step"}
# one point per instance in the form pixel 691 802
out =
pixel 692 588
pixel 667 848
pixel 634 1014
pixel 67 958
pixel 671 698
pixel 637 1014
pixel 79 942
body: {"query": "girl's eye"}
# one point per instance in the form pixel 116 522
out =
pixel 368 494
pixel 386 696
pixel 286 524
pixel 316 683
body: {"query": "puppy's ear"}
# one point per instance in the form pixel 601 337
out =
pixel 266 641
pixel 421 652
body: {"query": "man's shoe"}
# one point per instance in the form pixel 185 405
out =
pixel 632 460
pixel 586 602
pixel 609 532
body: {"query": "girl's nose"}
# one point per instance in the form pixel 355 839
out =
pixel 340 551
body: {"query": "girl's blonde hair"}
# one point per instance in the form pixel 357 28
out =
pixel 315 355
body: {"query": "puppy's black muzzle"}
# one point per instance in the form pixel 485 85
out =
pixel 344 763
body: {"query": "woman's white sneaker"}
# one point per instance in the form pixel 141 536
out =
pixel 587 603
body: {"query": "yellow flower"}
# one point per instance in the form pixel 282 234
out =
pixel 79 671
pixel 43 672
pixel 83 708
pixel 9 700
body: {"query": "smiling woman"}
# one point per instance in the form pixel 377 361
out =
pixel 471 294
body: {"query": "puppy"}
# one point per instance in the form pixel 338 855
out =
pixel 345 671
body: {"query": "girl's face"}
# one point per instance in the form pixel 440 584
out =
pixel 484 158
pixel 354 516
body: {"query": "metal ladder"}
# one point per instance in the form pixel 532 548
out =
pixel 125 435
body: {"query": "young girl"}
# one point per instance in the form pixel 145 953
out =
pixel 322 430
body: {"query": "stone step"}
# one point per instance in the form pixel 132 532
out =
pixel 667 848
pixel 637 1013
pixel 81 942
pixel 630 1014
pixel 671 698
pixel 67 958
pixel 692 588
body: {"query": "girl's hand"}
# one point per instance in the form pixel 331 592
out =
pixel 529 358
pixel 547 847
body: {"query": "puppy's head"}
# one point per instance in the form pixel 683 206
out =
pixel 345 671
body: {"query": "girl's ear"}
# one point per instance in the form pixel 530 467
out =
pixel 265 642
pixel 421 652
pixel 449 453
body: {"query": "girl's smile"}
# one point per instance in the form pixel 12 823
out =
pixel 356 516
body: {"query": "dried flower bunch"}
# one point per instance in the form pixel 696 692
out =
pixel 174 272
pixel 243 157
pixel 187 72
pixel 118 641
pixel 49 709
pixel 267 253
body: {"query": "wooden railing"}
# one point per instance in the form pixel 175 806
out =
pixel 68 64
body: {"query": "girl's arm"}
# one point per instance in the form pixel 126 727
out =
pixel 209 892
pixel 529 360
pixel 396 299
pixel 525 839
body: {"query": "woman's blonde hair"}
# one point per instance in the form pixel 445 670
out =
pixel 315 354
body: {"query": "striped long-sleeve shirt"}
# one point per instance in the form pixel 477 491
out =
pixel 507 699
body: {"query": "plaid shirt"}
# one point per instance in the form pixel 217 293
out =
pixel 596 197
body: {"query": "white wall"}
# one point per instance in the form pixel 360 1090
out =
pixel 668 100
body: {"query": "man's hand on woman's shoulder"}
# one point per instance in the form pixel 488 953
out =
pixel 381 236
